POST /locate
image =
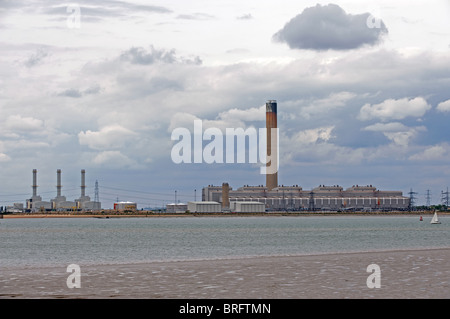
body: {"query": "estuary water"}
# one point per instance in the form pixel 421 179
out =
pixel 43 242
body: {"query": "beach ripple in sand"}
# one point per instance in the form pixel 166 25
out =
pixel 404 274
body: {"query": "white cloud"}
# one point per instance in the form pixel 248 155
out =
pixel 184 120
pixel 252 114
pixel 233 118
pixel 4 158
pixel 109 137
pixel 395 109
pixel 398 133
pixel 312 136
pixel 401 138
pixel 24 124
pixel 324 105
pixel 444 106
pixel 113 159
pixel 432 153
pixel 314 146
pixel 386 127
pixel 26 144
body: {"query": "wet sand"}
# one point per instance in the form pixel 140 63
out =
pixel 421 274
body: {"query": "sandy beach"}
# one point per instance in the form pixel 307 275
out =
pixel 421 274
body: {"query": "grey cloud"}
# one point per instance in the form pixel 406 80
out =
pixel 76 93
pixel 139 87
pixel 93 90
pixel 195 16
pixel 330 27
pixel 138 55
pixel 245 17
pixel 36 58
pixel 71 93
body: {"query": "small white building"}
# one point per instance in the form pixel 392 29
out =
pixel 125 206
pixel 65 205
pixel 176 208
pixel 204 207
pixel 247 207
pixel 16 208
pixel 90 205
pixel 42 205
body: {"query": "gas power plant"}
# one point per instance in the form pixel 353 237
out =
pixel 273 197
pixel 60 203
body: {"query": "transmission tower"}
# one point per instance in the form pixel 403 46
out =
pixel 412 199
pixel 96 199
pixel 445 199
pixel 428 198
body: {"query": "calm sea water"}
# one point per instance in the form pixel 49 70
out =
pixel 86 241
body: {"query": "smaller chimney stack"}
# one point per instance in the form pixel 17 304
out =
pixel 58 183
pixel 34 186
pixel 83 184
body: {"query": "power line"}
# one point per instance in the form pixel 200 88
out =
pixel 143 192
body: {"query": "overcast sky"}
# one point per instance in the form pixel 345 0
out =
pixel 363 91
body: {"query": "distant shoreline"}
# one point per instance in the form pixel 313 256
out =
pixel 141 214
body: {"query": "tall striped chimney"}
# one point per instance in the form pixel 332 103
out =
pixel 225 195
pixel 272 148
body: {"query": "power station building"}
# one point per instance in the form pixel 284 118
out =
pixel 60 203
pixel 294 198
pixel 322 198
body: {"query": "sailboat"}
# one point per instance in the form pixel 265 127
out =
pixel 435 219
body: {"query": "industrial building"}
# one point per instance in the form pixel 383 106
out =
pixel 60 203
pixel 277 197
pixel 84 202
pixel 247 207
pixel 294 198
pixel 15 208
pixel 122 206
pixel 36 203
pixel 204 207
pixel 176 208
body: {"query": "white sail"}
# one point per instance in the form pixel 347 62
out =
pixel 435 219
